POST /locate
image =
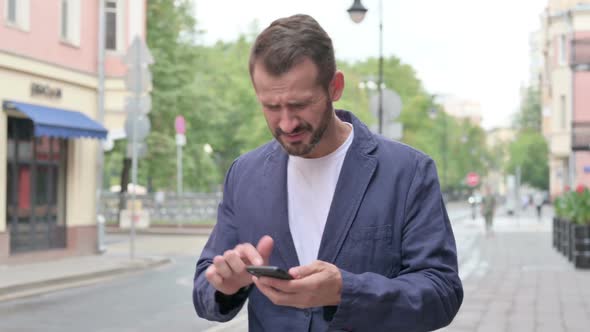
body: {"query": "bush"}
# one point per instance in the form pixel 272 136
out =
pixel 574 206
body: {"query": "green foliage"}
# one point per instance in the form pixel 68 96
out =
pixel 210 86
pixel 530 116
pixel 530 151
pixel 574 206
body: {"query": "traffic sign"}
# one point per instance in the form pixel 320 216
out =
pixel 138 79
pixel 142 127
pixel 180 125
pixel 138 52
pixel 472 179
pixel 393 130
pixel 392 105
pixel 140 147
pixel 142 104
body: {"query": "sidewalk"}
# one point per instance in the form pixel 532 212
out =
pixel 37 278
pixel 151 250
pixel 516 281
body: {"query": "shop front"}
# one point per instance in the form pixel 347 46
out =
pixel 49 166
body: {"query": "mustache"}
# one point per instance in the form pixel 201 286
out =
pixel 299 129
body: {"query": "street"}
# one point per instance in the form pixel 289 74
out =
pixel 496 279
pixel 154 300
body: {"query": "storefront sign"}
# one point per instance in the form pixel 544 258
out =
pixel 45 90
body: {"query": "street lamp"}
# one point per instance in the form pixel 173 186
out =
pixel 433 114
pixel 357 13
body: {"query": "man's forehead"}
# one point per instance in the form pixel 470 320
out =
pixel 305 67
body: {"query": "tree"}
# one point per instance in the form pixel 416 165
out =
pixel 210 86
pixel 530 151
pixel 530 116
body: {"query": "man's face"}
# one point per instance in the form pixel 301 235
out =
pixel 297 109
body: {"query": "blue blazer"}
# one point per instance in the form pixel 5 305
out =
pixel 387 230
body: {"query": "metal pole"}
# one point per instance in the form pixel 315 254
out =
pixel 100 119
pixel 380 81
pixel 134 154
pixel 179 169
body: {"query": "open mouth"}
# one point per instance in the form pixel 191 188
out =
pixel 295 137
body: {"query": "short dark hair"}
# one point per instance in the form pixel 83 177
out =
pixel 290 40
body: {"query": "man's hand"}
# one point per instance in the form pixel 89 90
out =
pixel 228 273
pixel 314 285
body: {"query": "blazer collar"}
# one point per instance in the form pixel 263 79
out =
pixel 357 170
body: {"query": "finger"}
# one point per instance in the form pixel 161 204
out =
pixel 273 295
pixel 249 253
pixel 222 267
pixel 264 247
pixel 213 277
pixel 306 270
pixel 232 258
pixel 284 286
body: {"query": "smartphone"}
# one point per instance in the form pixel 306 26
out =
pixel 268 271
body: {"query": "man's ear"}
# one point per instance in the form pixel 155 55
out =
pixel 337 86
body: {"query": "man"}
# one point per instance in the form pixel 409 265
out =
pixel 356 219
pixel 488 208
pixel 538 200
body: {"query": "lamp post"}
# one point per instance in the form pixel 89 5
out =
pixel 357 13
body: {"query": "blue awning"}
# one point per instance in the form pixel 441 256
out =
pixel 57 122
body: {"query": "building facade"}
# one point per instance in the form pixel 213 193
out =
pixel 461 108
pixel 565 82
pixel 60 95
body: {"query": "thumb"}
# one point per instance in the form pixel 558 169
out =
pixel 264 248
pixel 305 270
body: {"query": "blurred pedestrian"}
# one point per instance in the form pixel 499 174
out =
pixel 355 219
pixel 488 208
pixel 538 199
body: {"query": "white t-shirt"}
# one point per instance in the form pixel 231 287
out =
pixel 311 183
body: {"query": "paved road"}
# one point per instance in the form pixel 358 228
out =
pixel 153 300
pixel 160 299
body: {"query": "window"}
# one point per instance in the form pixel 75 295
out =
pixel 562 50
pixel 111 25
pixel 64 19
pixel 563 112
pixel 11 11
pixel 70 21
pixel 17 13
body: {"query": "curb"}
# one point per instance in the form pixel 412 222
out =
pixel 196 231
pixel 46 286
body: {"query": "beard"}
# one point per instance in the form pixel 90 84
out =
pixel 302 148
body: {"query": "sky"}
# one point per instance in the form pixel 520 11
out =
pixel 470 49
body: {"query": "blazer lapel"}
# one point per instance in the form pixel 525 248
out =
pixel 356 173
pixel 275 185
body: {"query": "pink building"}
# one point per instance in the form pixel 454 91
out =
pixel 59 94
pixel 565 84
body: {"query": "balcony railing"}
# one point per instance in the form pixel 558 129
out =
pixel 581 136
pixel 580 55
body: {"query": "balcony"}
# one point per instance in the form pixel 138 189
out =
pixel 580 55
pixel 581 136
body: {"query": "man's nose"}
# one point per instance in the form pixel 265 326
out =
pixel 288 122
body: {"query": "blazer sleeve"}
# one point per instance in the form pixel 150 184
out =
pixel 427 292
pixel 208 302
